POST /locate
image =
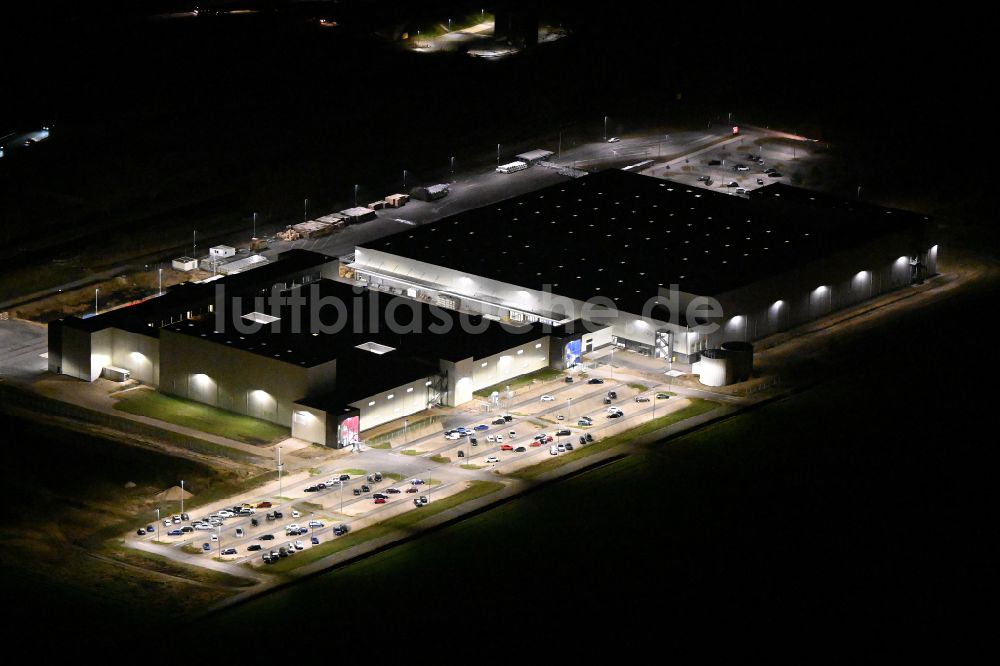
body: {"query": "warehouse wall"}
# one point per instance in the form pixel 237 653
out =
pixel 309 424
pixel 139 354
pixel 395 403
pixel 237 380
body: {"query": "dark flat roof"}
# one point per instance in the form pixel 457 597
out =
pixel 410 328
pixel 190 295
pixel 623 235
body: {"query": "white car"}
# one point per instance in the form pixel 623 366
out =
pixel 499 439
pixel 453 435
pixel 315 523
pixel 492 459
pixel 490 438
pixel 614 139
pixel 295 514
pixel 239 532
pixel 292 526
pixel 512 434
pixel 547 398
pixel 203 526
pixel 299 545
pixel 215 537
pixel 561 448
pixel 553 451
pixel 226 513
pixel 332 482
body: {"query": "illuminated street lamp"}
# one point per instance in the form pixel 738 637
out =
pixel 356 194
pixel 98 291
pixel 157 523
pixel 605 128
pixel 182 496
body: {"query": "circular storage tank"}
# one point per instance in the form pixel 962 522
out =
pixel 715 368
pixel 742 358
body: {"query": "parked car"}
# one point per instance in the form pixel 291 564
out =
pixel 614 139
pixel 266 537
pixel 412 489
pixel 253 547
pixel 379 500
pixel 590 437
pixel 140 532
pixel 278 515
pixel 641 398
pixel 341 529
pixel 295 514
pixel 492 459
pixel 380 496
pixel 315 523
pixel 547 398
pixel 299 545
pixel 345 477
pixel 175 533
pixel 520 449
pixel 365 489
pixel 563 433
pixel 760 181
pixel 507 447
pixel 184 516
pixel 206 546
pixel 568 380
pixel 423 499
pixel 714 162
pixel 583 440
pixel 595 380
pixel 473 441
pixel 498 421
pixel 264 505
pixel 553 451
pixel 314 540
pixel 615 415
pixel 187 528
pixel 392 491
pixel 357 491
pixel 228 551
pixel 508 418
pixel 569 446
pixel 239 532
pixel 662 396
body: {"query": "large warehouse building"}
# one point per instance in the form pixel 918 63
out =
pixel 638 254
pixel 329 360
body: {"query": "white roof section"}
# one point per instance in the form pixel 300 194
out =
pixel 261 318
pixel 534 155
pixel 375 348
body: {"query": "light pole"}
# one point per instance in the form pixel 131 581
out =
pixel 254 226
pixel 356 195
pixel 160 270
pixel 859 193
pixel 404 178
pixel 453 167
pixel 605 129
pixel 96 292
pixel 498 154
pixel 182 496
pixel 157 523
pixel 405 423
pixel 218 537
pixel 280 494
pixel 305 210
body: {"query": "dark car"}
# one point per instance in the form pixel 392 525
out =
pixel 461 453
pixel 595 380
pixel 206 546
pixel 774 174
pixel 392 491
pixel 341 530
pixel 270 516
pixel 520 449
pixel 321 486
pixel 345 477
pixel 563 433
pixel 150 529
pixel 311 489
pixel 508 417
pixel 254 522
pixel 278 514
pixel 357 491
pixel 473 441
pixel 590 437
pixel 264 505
pixel 615 415
pixel 498 421
pixel 365 489
pixel 583 440
pixel 184 516
pixel 266 537
pixel 141 532
pixel 380 496
pixel 229 551
pixel 607 400
pixel 187 528
pixel 252 547
pixel 714 162
pixel 314 540
pixel 613 395
pixel 569 380
pixel 303 530
pixel 569 446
